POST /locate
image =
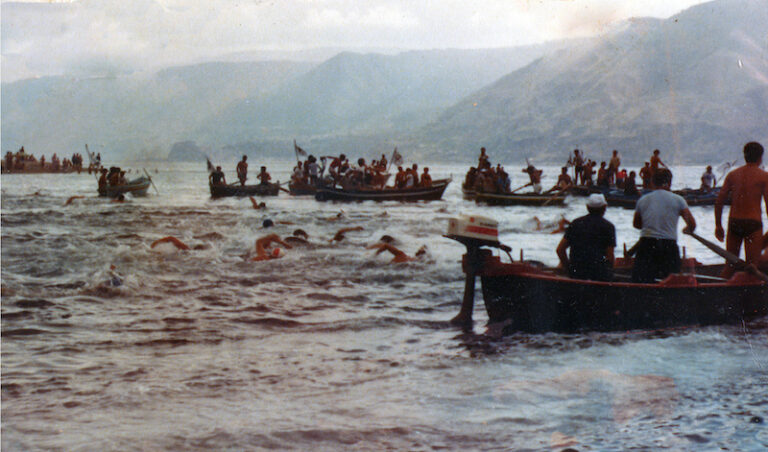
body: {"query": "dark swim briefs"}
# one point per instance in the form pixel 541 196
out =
pixel 744 228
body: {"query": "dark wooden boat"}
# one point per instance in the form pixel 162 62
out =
pixel 218 191
pixel 468 193
pixel 693 197
pixel 301 189
pixel 521 199
pixel 531 298
pixel 432 193
pixel 136 187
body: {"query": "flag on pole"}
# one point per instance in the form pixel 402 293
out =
pixel 397 159
pixel 299 150
pixel 210 165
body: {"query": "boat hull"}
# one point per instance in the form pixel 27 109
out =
pixel 136 187
pixel 219 191
pixel 528 299
pixel 432 193
pixel 524 199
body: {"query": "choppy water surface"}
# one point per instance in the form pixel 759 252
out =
pixel 330 347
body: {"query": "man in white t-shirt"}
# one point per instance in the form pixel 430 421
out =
pixel 656 215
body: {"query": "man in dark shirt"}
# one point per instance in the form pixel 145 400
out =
pixel 591 239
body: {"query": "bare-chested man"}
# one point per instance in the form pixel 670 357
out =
pixel 746 187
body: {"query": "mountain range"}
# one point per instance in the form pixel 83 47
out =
pixel 694 85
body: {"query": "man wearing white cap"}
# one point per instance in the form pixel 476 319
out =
pixel 591 239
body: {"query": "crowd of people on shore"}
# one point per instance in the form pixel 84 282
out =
pixel 591 239
pixel 22 161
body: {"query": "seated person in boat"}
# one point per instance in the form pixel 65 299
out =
pixel 103 179
pixel 469 179
pixel 564 181
pixel 591 240
pixel 264 176
pixel 708 180
pixel 298 176
pixel 656 215
pixel 535 176
pixel 217 177
pixel 426 179
pixel 587 172
pixel 122 180
pixel 621 176
pixel 114 176
pixel 630 186
pixel 502 180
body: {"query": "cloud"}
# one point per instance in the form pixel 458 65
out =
pixel 55 37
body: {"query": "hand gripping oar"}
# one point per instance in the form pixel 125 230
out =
pixel 730 257
pixel 150 180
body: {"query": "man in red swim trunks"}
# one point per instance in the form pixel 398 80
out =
pixel 746 186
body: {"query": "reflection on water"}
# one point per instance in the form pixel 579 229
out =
pixel 330 347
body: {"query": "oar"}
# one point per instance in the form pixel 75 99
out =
pixel 519 188
pixel 150 180
pixel 730 257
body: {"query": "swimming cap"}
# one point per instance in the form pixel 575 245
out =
pixel 267 223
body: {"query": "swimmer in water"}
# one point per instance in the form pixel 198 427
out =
pixel 262 248
pixel 340 234
pixel 178 244
pixel 172 240
pixel 299 237
pixel 399 256
pixel 72 198
pixel 257 205
pixel 558 227
pixel 337 217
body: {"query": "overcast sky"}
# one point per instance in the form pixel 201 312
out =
pixel 94 37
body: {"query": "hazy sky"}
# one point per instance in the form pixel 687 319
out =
pixel 94 37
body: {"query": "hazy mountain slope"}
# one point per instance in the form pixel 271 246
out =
pixel 368 93
pixel 129 113
pixel 695 86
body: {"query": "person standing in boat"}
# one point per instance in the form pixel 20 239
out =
pixel 656 215
pixel 708 180
pixel 242 170
pixel 630 186
pixel 216 177
pixel 564 181
pixel 645 175
pixel 535 176
pixel 426 179
pixel 591 240
pixel 655 162
pixel 613 167
pixel 746 187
